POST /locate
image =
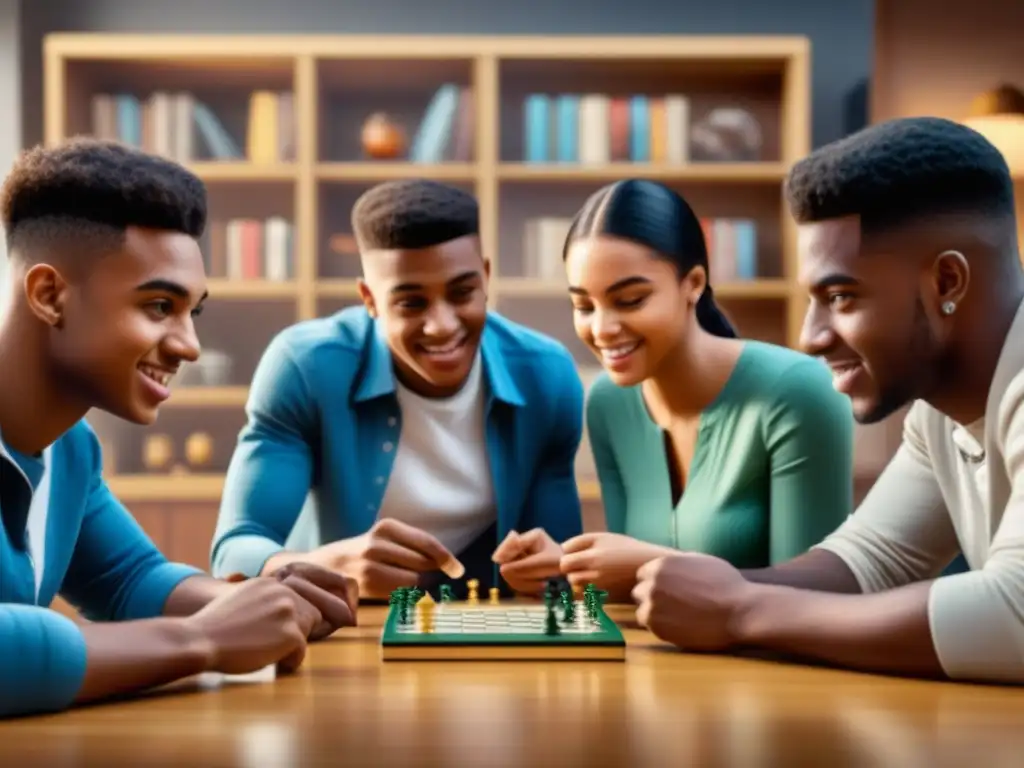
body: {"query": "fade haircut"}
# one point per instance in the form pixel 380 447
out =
pixel 902 171
pixel 411 214
pixel 84 194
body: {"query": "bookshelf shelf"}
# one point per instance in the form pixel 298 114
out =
pixel 751 173
pixel 277 134
pixel 384 171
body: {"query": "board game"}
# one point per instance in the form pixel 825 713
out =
pixel 563 627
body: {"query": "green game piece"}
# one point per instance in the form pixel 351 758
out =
pixel 551 623
pixel 569 616
pixel 447 595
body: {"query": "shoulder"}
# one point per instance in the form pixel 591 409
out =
pixel 789 377
pixel 77 453
pixel 335 343
pixel 535 361
pixel 1009 430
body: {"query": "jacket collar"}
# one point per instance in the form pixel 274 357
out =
pixel 377 378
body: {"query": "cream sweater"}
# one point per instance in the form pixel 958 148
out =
pixel 950 488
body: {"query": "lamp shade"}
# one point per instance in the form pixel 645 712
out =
pixel 998 115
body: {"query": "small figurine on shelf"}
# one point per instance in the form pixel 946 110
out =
pixel 382 138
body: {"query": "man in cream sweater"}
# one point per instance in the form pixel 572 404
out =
pixel 908 247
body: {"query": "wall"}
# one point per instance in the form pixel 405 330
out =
pixel 841 35
pixel 10 104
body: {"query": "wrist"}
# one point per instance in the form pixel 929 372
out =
pixel 746 622
pixel 197 649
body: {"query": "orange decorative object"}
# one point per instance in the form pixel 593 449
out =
pixel 382 138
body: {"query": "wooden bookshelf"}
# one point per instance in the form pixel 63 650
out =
pixel 335 83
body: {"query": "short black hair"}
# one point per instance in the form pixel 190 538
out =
pixel 413 213
pixel 88 192
pixel 902 171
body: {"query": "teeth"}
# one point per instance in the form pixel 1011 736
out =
pixel 433 349
pixel 615 353
pixel 160 377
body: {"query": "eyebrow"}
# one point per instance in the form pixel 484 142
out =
pixel 618 286
pixel 169 286
pixel 833 279
pixel 465 277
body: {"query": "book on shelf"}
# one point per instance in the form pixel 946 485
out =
pixel 183 128
pixel 731 245
pixel 596 129
pixel 250 249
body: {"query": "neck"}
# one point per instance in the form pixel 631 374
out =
pixel 34 410
pixel 691 377
pixel 968 373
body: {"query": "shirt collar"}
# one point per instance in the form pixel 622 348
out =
pixel 377 377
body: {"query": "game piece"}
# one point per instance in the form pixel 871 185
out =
pixel 551 622
pixel 425 613
pixel 510 631
pixel 447 595
pixel 495 595
pixel 473 585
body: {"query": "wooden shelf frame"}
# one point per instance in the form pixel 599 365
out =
pixel 786 57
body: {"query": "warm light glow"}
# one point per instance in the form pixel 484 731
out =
pixel 1006 132
pixel 998 115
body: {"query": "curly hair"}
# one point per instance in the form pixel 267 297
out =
pixel 89 192
pixel 410 214
pixel 901 171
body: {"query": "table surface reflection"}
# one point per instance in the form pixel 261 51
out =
pixel 660 708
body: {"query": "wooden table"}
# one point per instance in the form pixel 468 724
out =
pixel 660 708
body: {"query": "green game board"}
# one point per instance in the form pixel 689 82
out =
pixel 506 631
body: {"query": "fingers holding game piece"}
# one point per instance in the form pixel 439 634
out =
pixel 509 549
pixel 422 543
pixel 536 561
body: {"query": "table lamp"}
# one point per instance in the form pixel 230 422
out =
pixel 998 115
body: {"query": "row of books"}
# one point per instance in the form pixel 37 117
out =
pixel 446 132
pixel 183 128
pixel 731 244
pixel 595 128
pixel 250 249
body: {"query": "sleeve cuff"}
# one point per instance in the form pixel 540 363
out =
pixel 149 597
pixel 245 555
pixel 974 631
pixel 42 660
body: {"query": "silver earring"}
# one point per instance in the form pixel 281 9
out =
pixel 948 307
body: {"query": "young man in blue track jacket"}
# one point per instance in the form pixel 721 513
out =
pixel 435 439
pixel 105 280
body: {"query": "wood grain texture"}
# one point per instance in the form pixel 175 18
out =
pixel 660 708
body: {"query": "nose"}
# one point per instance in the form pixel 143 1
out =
pixel 605 325
pixel 183 343
pixel 816 335
pixel 442 321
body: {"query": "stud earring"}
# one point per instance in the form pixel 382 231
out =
pixel 948 307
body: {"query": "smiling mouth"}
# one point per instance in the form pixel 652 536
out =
pixel 620 351
pixel 444 349
pixel 161 377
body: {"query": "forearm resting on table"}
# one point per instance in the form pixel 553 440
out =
pixel 885 632
pixel 818 570
pixel 126 657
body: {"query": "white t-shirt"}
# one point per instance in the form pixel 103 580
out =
pixel 441 480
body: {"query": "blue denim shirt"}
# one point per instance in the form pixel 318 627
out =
pixel 313 461
pixel 95 555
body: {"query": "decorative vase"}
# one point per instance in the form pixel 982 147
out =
pixel 382 138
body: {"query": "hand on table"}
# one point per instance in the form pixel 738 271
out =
pixel 258 623
pixel 528 560
pixel 609 561
pixel 390 555
pixel 691 600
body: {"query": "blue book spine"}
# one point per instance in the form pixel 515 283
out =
pixel 568 128
pixel 746 249
pixel 639 130
pixel 537 119
pixel 129 120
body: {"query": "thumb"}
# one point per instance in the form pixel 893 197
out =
pixel 581 542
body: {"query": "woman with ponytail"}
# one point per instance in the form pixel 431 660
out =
pixel 703 442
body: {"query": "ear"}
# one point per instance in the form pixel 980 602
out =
pixel 952 276
pixel 367 297
pixel 694 284
pixel 46 291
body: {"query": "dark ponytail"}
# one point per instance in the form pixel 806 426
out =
pixel 652 214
